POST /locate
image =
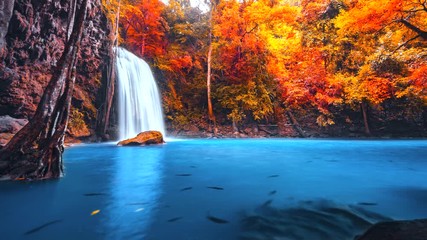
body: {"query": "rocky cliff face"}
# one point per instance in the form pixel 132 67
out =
pixel 6 7
pixel 33 44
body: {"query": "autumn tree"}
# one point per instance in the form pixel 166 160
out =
pixel 244 85
pixel 143 27
pixel 385 37
pixel 182 66
pixel 213 6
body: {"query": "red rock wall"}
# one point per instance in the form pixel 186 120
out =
pixel 34 43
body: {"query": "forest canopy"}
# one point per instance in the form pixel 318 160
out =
pixel 336 61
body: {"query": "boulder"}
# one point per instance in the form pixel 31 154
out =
pixel 144 138
pixel 8 127
pixel 9 124
pixel 397 230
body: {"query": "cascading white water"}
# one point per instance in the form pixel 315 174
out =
pixel 139 101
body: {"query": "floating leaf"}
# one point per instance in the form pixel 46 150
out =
pixel 95 212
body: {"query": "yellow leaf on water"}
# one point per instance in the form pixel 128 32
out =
pixel 95 212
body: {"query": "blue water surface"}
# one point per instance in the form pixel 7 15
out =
pixel 161 192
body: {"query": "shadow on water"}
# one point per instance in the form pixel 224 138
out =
pixel 320 220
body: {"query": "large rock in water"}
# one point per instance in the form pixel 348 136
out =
pixel 144 138
pixel 397 230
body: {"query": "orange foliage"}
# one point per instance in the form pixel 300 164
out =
pixel 308 83
pixel 419 77
pixel 240 50
pixel 377 89
pixel 317 54
pixel 416 85
pixel 144 28
pixel 312 10
pixel 181 64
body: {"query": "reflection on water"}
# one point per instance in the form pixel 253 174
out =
pixel 198 189
pixel 122 183
pixel 135 189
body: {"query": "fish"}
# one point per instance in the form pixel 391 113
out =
pixel 94 194
pixel 273 176
pixel 183 175
pixel 36 229
pixel 186 189
pixel 139 210
pixel 216 188
pixel 174 219
pixel 95 212
pixel 272 192
pixel 193 167
pixel 267 203
pixel 216 220
pixel 367 203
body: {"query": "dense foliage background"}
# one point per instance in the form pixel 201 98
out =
pixel 335 61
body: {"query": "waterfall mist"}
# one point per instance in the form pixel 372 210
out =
pixel 140 107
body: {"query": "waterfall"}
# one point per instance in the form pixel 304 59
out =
pixel 140 107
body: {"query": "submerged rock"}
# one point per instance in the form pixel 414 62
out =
pixel 320 220
pixel 144 138
pixel 397 230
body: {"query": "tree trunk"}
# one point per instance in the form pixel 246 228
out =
pixel 143 46
pixel 71 16
pixel 209 75
pixel 35 152
pixel 295 123
pixel 365 118
pixel 208 85
pixel 234 126
pixel 109 78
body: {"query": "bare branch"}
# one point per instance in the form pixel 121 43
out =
pixel 403 44
pixel 248 32
pixel 415 10
pixel 421 33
